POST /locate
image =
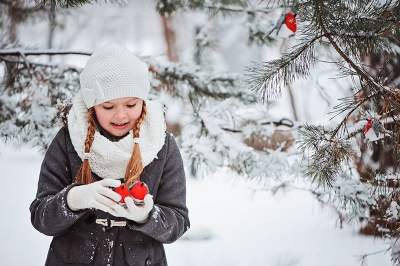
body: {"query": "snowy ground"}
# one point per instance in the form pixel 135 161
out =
pixel 229 228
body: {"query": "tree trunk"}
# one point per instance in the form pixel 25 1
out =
pixel 170 38
pixel 172 52
pixel 12 32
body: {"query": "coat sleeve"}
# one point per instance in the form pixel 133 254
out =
pixel 169 219
pixel 50 213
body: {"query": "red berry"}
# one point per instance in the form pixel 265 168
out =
pixel 123 191
pixel 139 190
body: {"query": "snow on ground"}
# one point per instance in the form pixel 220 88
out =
pixel 228 226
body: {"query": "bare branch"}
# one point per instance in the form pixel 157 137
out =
pixel 19 52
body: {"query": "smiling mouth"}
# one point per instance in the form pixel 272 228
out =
pixel 119 125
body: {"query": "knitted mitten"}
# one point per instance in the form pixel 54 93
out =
pixel 95 195
pixel 136 213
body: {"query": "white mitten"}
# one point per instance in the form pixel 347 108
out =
pixel 95 195
pixel 133 212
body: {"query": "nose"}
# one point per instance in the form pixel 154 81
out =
pixel 120 113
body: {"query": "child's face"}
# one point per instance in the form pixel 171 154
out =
pixel 119 116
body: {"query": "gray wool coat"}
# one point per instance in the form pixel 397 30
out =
pixel 79 240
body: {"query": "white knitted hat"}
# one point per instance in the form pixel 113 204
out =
pixel 113 72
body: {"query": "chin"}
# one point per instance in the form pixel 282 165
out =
pixel 120 134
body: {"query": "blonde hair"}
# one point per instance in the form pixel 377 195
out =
pixel 135 166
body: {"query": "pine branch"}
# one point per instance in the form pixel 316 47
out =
pixel 348 199
pixel 242 9
pixel 370 82
pixel 267 79
pixel 71 3
pixel 19 12
pixel 368 35
pixel 326 155
pixel 165 7
pixel 217 85
pixel 363 258
pixel 67 3
pixel 352 104
pixel 360 71
pixel 16 5
pixel 27 92
pixel 218 6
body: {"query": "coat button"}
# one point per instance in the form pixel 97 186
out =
pixel 90 221
pixel 148 261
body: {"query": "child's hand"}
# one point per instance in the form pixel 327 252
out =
pixel 95 195
pixel 136 213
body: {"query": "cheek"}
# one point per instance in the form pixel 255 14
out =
pixel 136 114
pixel 102 118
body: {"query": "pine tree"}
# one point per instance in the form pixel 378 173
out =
pixel 357 31
pixel 366 37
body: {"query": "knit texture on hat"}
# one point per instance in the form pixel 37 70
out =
pixel 113 72
pixel 109 159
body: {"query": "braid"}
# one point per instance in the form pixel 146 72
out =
pixel 85 175
pixel 135 165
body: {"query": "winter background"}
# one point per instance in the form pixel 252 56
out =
pixel 231 224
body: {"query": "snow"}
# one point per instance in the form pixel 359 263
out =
pixel 230 225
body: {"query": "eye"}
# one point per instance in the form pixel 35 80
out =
pixel 131 105
pixel 107 107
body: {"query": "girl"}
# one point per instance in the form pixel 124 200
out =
pixel 114 135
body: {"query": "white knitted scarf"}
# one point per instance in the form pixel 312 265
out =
pixel 109 159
